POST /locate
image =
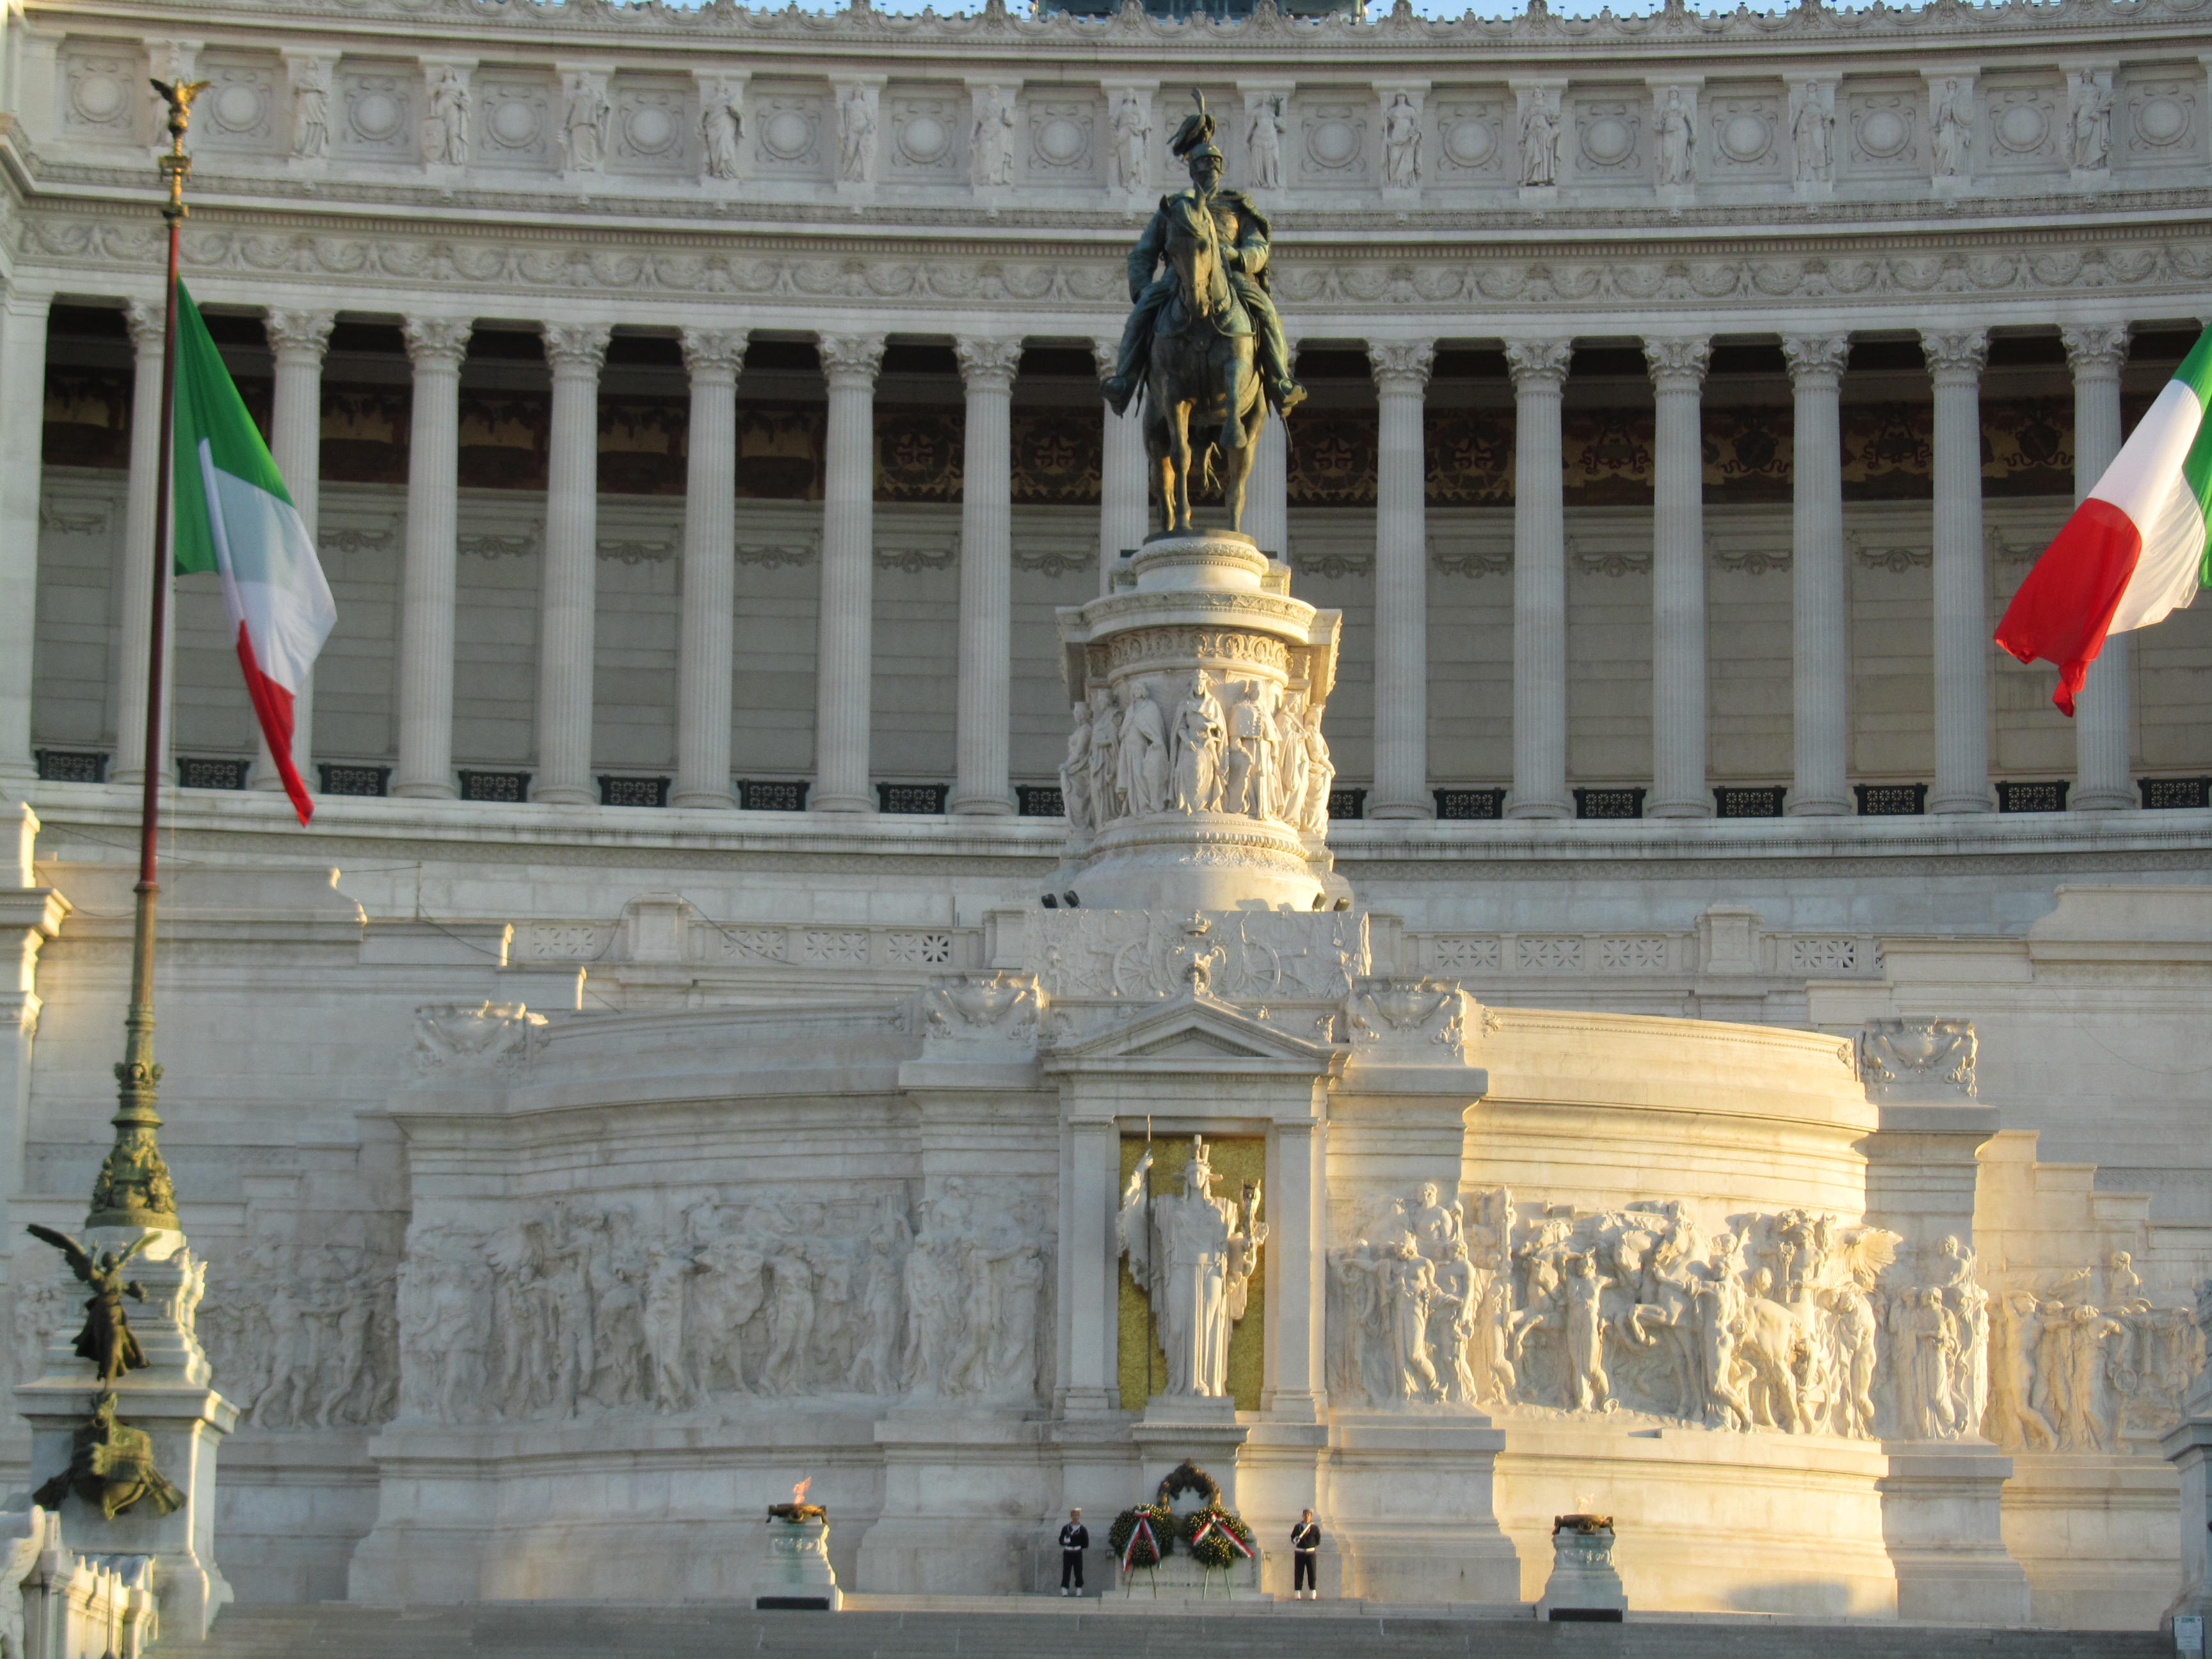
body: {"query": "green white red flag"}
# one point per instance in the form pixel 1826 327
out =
pixel 233 516
pixel 2137 549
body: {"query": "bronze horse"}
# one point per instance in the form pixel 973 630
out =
pixel 1201 375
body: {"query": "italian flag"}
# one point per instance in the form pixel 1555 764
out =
pixel 233 516
pixel 2135 548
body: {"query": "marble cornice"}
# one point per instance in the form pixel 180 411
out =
pixel 1133 43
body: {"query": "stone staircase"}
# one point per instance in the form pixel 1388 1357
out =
pixel 1089 1630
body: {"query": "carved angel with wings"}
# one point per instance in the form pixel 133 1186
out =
pixel 107 1339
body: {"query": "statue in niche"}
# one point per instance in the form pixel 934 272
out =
pixel 1955 129
pixel 1814 132
pixel 1539 142
pixel 584 131
pixel 856 137
pixel 1141 764
pixel 720 128
pixel 1250 783
pixel 1677 141
pixel 1401 144
pixel 992 142
pixel 445 129
pixel 1075 773
pixel 1198 750
pixel 1193 1255
pixel 310 110
pixel 107 1339
pixel 1926 1339
pixel 2090 128
pixel 1321 774
pixel 1263 144
pixel 1132 131
pixel 1291 756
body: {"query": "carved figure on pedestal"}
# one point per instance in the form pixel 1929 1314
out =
pixel 1141 763
pixel 1132 131
pixel 2089 129
pixel 1290 758
pixel 720 130
pixel 1075 774
pixel 1194 1260
pixel 584 131
pixel 107 1339
pixel 856 137
pixel 1204 332
pixel 1320 776
pixel 445 129
pixel 1252 766
pixel 1814 132
pixel 1677 141
pixel 1401 144
pixel 1263 144
pixel 1198 750
pixel 1106 801
pixel 310 109
pixel 1955 129
pixel 991 144
pixel 1540 141
pixel 1926 1341
pixel 111 1464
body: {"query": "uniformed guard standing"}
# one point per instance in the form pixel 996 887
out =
pixel 1305 1551
pixel 1075 1539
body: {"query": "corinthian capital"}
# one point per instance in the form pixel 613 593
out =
pixel 1955 354
pixel 713 351
pixel 851 359
pixel 1402 366
pixel 2095 349
pixel 437 342
pixel 1816 358
pixel 1535 364
pixel 987 364
pixel 299 333
pixel 1678 362
pixel 575 348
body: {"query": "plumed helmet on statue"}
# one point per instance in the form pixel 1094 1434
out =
pixel 1198 1173
pixel 1194 137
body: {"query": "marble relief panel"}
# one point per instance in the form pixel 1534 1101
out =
pixel 1608 138
pixel 2023 123
pixel 1881 121
pixel 238 112
pixel 1331 144
pixel 518 120
pixel 1744 126
pixel 1063 134
pixel 928 133
pixel 379 106
pixel 2161 119
pixel 102 84
pixel 1473 136
pixel 793 131
pixel 651 130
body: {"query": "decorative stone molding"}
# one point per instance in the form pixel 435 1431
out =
pixel 1918 1055
pixel 300 334
pixel 1401 367
pixel 147 321
pixel 1425 1018
pixel 851 360
pixel 437 342
pixel 1955 356
pixel 714 352
pixel 987 364
pixel 464 1040
pixel 1539 362
pixel 1678 363
pixel 2095 347
pixel 1816 360
pixel 575 348
pixel 991 1010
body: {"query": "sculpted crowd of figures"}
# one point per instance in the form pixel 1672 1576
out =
pixel 1239 746
pixel 584 1308
pixel 1791 1321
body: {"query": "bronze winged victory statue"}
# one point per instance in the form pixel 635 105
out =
pixel 1203 345
pixel 107 1339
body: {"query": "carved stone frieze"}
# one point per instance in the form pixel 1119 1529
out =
pixel 1917 1056
pixel 482 1039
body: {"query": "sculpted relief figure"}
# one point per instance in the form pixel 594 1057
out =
pixel 311 109
pixel 1401 144
pixel 2084 1360
pixel 1193 1255
pixel 856 136
pixel 1141 760
pixel 1953 130
pixel 1075 773
pixel 1133 132
pixel 720 130
pixel 1677 141
pixel 1105 798
pixel 991 145
pixel 1198 750
pixel 1540 141
pixel 445 129
pixel 1263 144
pixel 584 129
pixel 1813 133
pixel 1320 776
pixel 2089 128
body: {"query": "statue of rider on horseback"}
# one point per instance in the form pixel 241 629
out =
pixel 1203 343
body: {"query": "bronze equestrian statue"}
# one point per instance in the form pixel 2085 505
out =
pixel 1203 331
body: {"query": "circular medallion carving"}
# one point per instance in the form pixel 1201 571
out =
pixel 924 139
pixel 1883 133
pixel 1744 138
pixel 2162 121
pixel 2021 127
pixel 375 116
pixel 1060 141
pixel 1608 140
pixel 98 97
pixel 787 135
pixel 237 107
pixel 650 128
pixel 514 122
pixel 1333 142
pixel 1469 142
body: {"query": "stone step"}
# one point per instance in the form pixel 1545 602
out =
pixel 1075 1629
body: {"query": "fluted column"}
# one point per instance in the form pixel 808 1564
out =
pixel 1962 623
pixel 987 367
pixel 144 319
pixel 1821 702
pixel 569 603
pixel 2104 777
pixel 23 387
pixel 1124 514
pixel 1402 574
pixel 299 338
pixel 1678 578
pixel 436 345
pixel 704 645
pixel 1267 492
pixel 1540 582
pixel 844 659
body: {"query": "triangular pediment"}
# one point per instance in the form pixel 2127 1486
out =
pixel 1198 1033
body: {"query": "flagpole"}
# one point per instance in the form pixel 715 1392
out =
pixel 133 1189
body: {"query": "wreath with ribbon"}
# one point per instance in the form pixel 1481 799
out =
pixel 1141 1537
pixel 1216 1538
pixel 1188 1477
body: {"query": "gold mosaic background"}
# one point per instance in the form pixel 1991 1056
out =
pixel 1235 1159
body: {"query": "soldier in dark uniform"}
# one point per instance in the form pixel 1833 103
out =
pixel 1244 236
pixel 1075 1539
pixel 1305 1551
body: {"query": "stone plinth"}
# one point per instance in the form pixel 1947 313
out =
pixel 1583 1584
pixel 1386 1468
pixel 797 1573
pixel 1941 1513
pixel 1199 778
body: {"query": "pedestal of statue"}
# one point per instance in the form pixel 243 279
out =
pixel 1189 1428
pixel 1435 1462
pixel 1942 1515
pixel 170 1398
